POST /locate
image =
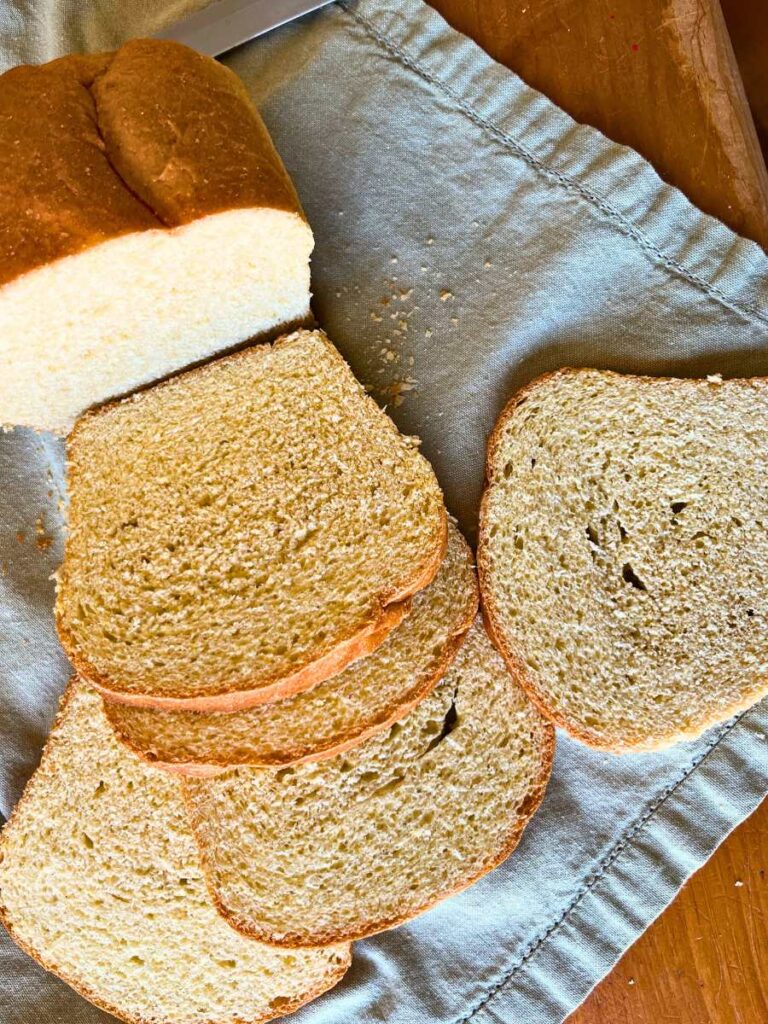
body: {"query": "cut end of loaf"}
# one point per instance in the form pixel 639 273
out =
pixel 623 549
pixel 144 305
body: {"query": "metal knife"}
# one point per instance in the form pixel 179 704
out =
pixel 225 24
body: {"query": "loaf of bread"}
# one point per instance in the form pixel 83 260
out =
pixel 623 552
pixel 344 848
pixel 146 223
pixel 364 699
pixel 100 882
pixel 242 531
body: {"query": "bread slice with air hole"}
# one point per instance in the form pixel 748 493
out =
pixel 623 551
pixel 142 190
pixel 364 699
pixel 338 850
pixel 242 531
pixel 100 882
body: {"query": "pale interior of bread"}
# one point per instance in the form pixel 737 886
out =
pixel 349 846
pixel 136 308
pixel 368 695
pixel 232 526
pixel 625 552
pixel 100 880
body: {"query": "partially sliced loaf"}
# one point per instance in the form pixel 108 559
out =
pixel 100 882
pixel 146 223
pixel 364 699
pixel 623 552
pixel 350 846
pixel 242 532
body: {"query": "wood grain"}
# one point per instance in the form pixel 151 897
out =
pixel 747 22
pixel 705 960
pixel 658 75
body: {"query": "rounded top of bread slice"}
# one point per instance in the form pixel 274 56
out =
pixel 100 882
pixel 623 548
pixel 364 841
pixel 242 532
pixel 142 190
pixel 364 699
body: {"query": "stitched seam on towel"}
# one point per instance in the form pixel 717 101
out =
pixel 624 224
pixel 591 880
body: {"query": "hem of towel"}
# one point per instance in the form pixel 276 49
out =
pixel 613 181
pixel 677 832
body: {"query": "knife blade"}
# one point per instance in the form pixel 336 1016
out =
pixel 225 24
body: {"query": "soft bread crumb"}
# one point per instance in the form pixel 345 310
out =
pixel 374 836
pixel 239 525
pixel 623 551
pixel 100 881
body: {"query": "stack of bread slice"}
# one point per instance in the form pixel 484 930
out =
pixel 288 729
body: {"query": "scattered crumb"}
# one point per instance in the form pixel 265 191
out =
pixel 410 360
pixel 715 378
pixel 430 241
pixel 428 333
pixel 454 319
pixel 423 270
pixel 445 295
pixel 488 263
pixel 376 317
pixel 631 981
pixel 406 293
pixel 21 536
pixel 42 540
pixel 385 301
pixel 338 295
pixel 738 883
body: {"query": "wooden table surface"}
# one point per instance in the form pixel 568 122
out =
pixel 661 76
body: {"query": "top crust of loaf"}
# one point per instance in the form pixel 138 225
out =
pixel 725 427
pixel 360 475
pixel 152 136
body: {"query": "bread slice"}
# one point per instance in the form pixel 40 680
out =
pixel 100 882
pixel 623 548
pixel 242 532
pixel 142 190
pixel 338 850
pixel 364 699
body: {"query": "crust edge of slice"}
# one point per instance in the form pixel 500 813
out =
pixel 385 719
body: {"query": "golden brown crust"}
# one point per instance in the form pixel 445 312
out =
pixel 182 132
pixel 512 658
pixel 347 651
pixel 108 144
pixel 524 814
pixel 394 604
pixel 307 751
pixel 333 976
